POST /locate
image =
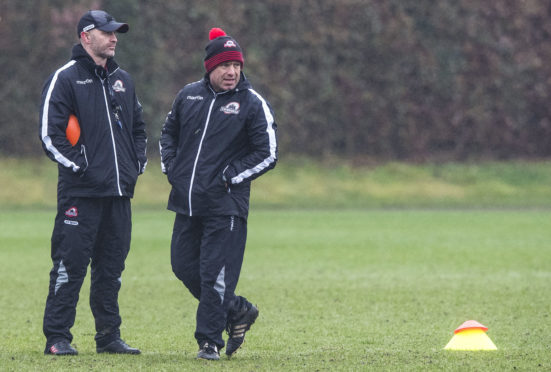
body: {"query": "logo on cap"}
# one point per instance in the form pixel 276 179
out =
pixel 89 27
pixel 230 44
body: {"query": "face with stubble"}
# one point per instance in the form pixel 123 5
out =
pixel 225 76
pixel 100 44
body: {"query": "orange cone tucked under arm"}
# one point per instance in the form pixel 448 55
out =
pixel 470 335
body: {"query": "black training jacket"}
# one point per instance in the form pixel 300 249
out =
pixel 210 139
pixel 111 151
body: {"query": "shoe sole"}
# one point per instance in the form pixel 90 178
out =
pixel 118 352
pixel 203 358
pixel 207 357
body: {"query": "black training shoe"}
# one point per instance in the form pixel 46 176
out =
pixel 61 348
pixel 238 324
pixel 118 347
pixel 208 351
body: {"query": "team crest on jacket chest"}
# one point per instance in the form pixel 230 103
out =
pixel 119 86
pixel 230 108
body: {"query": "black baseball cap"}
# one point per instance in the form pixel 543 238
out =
pixel 100 20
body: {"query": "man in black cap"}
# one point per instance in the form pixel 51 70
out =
pixel 219 136
pixel 98 169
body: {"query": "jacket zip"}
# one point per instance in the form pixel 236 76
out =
pixel 198 153
pixel 112 137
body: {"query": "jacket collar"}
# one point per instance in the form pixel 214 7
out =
pixel 81 56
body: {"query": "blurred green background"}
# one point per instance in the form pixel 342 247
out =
pixel 363 81
pixel 379 104
pixel 301 183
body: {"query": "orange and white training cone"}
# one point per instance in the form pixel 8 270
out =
pixel 470 335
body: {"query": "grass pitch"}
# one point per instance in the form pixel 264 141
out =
pixel 337 290
pixel 303 184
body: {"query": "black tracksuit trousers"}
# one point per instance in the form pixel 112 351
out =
pixel 87 230
pixel 206 255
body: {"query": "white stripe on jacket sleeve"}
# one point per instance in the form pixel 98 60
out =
pixel 272 143
pixel 44 133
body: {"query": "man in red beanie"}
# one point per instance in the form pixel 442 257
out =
pixel 219 136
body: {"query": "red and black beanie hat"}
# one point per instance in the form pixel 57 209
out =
pixel 221 48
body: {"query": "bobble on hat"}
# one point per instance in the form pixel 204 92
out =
pixel 221 48
pixel 216 32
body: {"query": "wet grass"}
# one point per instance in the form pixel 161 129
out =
pixel 337 290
